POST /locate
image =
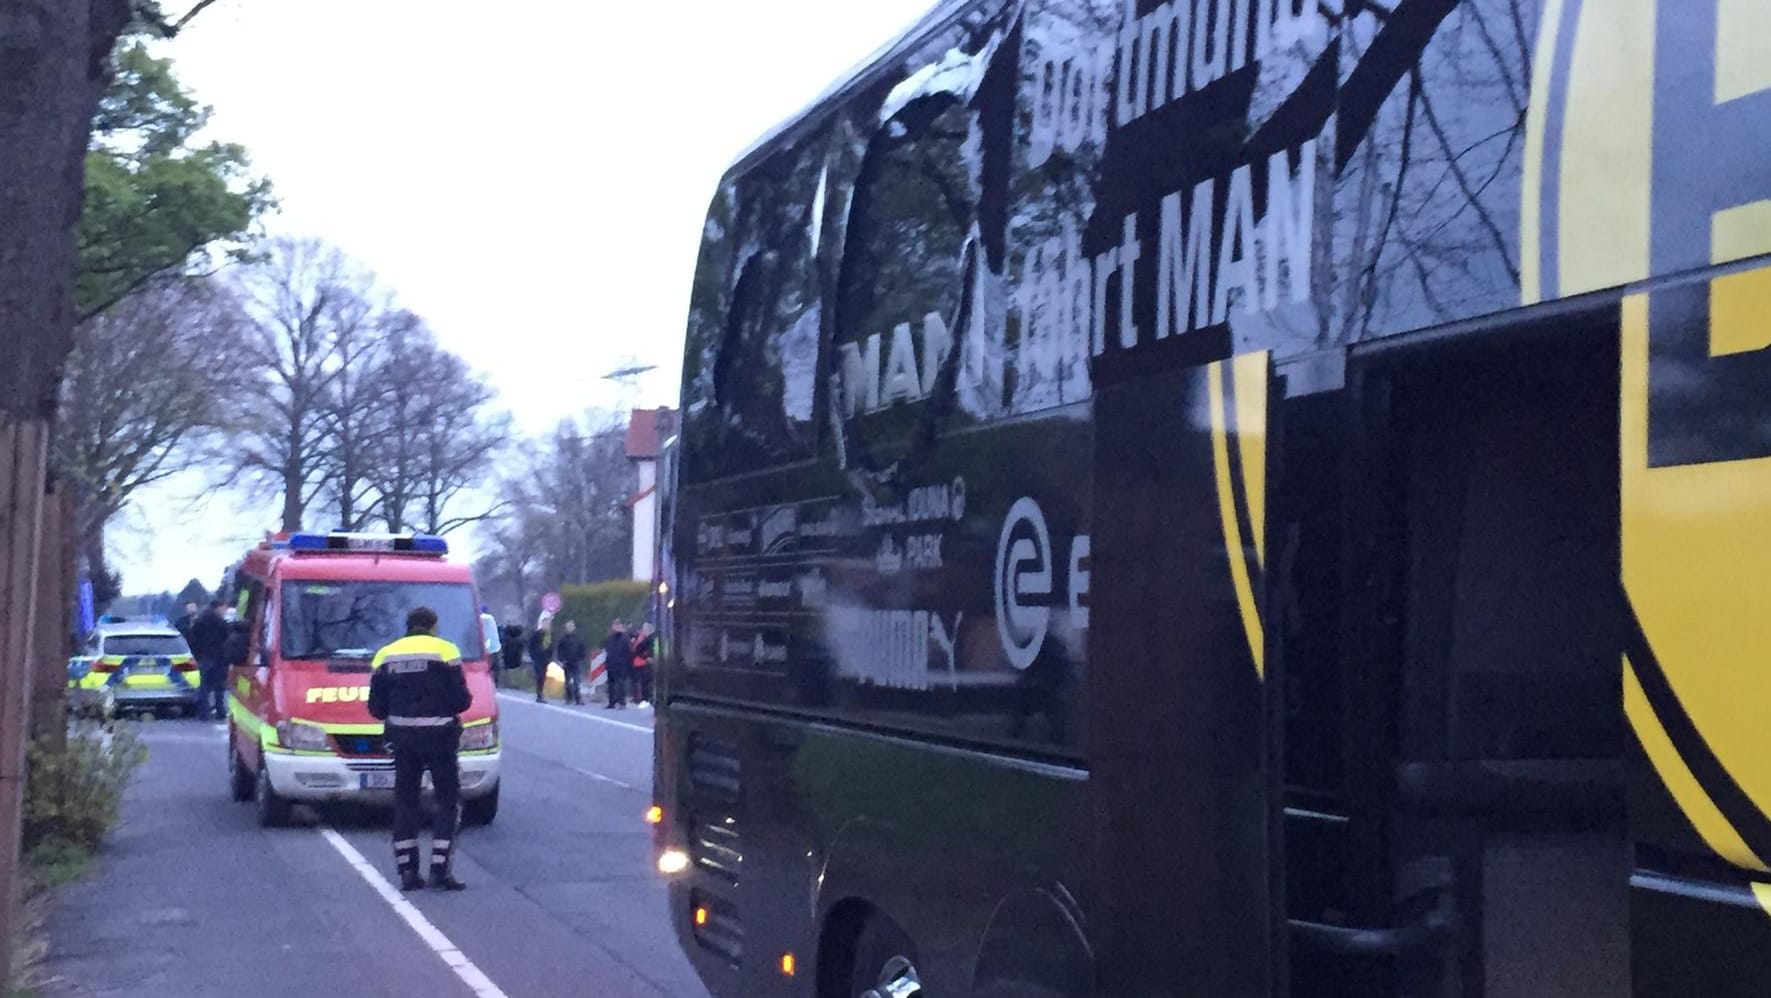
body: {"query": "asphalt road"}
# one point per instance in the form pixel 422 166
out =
pixel 192 898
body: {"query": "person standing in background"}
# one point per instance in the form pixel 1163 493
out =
pixel 644 647
pixel 618 660
pixel 512 643
pixel 209 646
pixel 541 653
pixel 572 654
pixel 493 640
pixel 183 624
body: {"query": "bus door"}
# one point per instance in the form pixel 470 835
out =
pixel 1182 684
pixel 1483 701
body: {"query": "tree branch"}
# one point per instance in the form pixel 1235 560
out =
pixel 141 281
pixel 191 14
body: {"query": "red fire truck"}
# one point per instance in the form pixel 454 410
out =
pixel 312 609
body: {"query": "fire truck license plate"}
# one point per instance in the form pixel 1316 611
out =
pixel 385 780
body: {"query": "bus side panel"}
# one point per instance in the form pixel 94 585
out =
pixel 1699 939
pixel 837 825
pixel 1183 796
pixel 948 599
pixel 1696 497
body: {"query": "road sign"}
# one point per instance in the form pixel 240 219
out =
pixel 552 603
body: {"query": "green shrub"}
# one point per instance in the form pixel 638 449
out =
pixel 595 606
pixel 55 863
pixel 73 794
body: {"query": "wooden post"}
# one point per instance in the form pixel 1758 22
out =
pixel 55 613
pixel 24 450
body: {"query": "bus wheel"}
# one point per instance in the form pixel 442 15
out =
pixel 241 785
pixel 885 963
pixel 273 809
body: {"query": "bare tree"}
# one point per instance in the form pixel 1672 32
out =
pixel 589 481
pixel 309 305
pixel 363 412
pixel 516 568
pixel 407 401
pixel 146 382
pixel 566 520
pixel 436 442
pixel 460 443
pixel 357 420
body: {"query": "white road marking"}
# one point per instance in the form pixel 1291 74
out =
pixel 530 702
pixel 439 944
pixel 599 776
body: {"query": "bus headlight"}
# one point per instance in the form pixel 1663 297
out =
pixel 480 737
pixel 672 861
pixel 301 736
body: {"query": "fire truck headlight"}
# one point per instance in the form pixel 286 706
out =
pixel 480 737
pixel 306 737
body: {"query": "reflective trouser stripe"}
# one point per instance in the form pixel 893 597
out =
pixel 406 856
pixel 419 722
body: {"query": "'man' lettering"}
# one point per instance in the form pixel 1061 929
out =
pixel 1202 258
pixel 867 388
pixel 1183 263
pixel 1289 223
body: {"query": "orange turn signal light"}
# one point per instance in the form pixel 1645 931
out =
pixel 788 965
pixel 700 916
pixel 654 815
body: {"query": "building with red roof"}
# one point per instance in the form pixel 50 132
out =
pixel 647 432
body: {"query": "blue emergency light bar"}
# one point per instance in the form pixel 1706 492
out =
pixel 427 544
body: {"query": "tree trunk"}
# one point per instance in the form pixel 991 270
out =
pixel 292 511
pixel 347 514
pixel 53 62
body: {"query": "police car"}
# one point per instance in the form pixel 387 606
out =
pixel 133 666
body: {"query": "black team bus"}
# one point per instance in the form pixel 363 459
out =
pixel 1236 498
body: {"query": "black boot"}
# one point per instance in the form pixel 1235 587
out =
pixel 406 862
pixel 442 869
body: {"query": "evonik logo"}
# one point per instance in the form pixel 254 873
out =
pixel 1025 582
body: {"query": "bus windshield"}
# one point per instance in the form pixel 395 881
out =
pixel 353 619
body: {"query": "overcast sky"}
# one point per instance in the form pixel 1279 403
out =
pixel 530 176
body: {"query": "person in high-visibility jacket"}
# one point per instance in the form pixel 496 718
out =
pixel 418 691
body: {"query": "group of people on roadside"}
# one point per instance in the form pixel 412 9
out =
pixel 627 660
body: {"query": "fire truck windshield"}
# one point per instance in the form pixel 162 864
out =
pixel 324 620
